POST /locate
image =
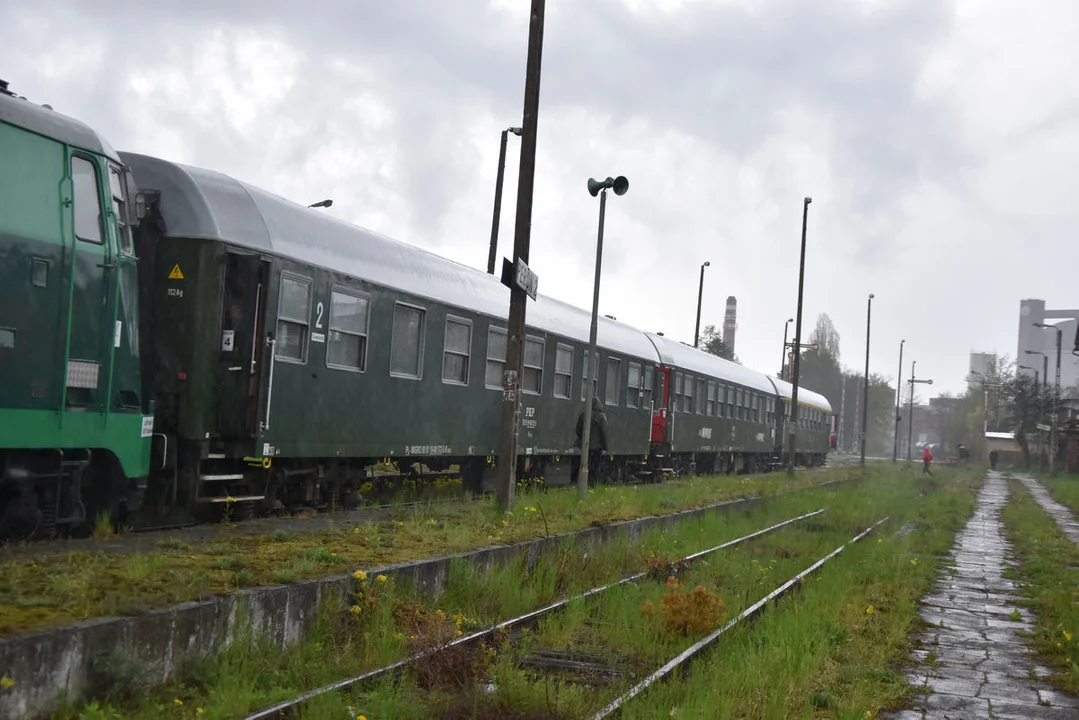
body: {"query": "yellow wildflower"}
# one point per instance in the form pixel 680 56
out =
pixel 382 578
pixel 6 683
pixel 1067 636
pixel 178 701
pixel 869 610
pixel 360 575
pixel 355 609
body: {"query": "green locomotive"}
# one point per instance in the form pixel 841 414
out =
pixel 75 426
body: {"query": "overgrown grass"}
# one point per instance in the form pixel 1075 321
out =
pixel 1048 566
pixel 837 647
pixel 45 590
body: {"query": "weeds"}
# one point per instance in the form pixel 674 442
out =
pixel 1046 558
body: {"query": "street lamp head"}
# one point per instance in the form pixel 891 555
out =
pixel 322 203
pixel 871 296
pixel 706 264
pixel 515 130
pixel 790 319
pixel 809 200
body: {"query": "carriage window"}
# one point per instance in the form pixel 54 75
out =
pixel 532 380
pixel 646 395
pixel 711 409
pixel 293 310
pixel 406 343
pixel 730 402
pixel 457 350
pixel 563 370
pixel 496 357
pixel 119 208
pixel 614 385
pixel 677 392
pixel 593 375
pixel 347 346
pixel 633 386
pixel 701 390
pixel 687 395
pixel 87 201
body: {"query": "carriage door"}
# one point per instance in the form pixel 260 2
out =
pixel 93 274
pixel 243 303
pixel 659 412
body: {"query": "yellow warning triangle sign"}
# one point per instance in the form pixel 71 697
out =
pixel 176 273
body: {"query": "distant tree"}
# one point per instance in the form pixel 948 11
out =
pixel 825 335
pixel 1026 404
pixel 712 342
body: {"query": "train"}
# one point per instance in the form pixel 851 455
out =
pixel 174 341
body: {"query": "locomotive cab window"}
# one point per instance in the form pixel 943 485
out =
pixel 496 357
pixel 293 311
pixel 406 344
pixel 88 224
pixel 347 346
pixel 563 370
pixel 119 209
pixel 532 379
pixel 457 351
pixel 614 385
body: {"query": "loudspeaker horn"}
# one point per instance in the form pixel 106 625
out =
pixel 620 185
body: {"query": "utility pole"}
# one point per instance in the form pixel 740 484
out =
pixel 1056 397
pixel 511 374
pixel 842 415
pixel 620 185
pixel 865 388
pixel 898 403
pixel 792 437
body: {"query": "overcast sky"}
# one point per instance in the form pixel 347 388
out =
pixel 939 141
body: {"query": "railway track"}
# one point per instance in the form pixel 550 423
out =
pixel 594 670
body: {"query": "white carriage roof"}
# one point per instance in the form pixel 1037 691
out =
pixel 44 121
pixel 203 204
pixel 685 356
pixel 805 396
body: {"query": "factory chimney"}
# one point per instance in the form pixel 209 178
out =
pixel 730 323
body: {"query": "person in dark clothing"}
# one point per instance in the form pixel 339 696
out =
pixel 927 458
pixel 597 443
pixel 993 457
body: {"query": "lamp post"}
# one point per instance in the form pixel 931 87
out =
pixel 898 400
pixel 792 436
pixel 620 185
pixel 700 294
pixel 321 203
pixel 498 197
pixel 522 240
pixel 1045 365
pixel 1056 397
pixel 783 359
pixel 865 386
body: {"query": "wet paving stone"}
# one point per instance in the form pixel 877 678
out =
pixel 980 666
pixel 1062 515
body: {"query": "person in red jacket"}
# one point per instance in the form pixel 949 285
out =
pixel 927 458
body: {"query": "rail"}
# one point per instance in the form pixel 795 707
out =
pixel 530 616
